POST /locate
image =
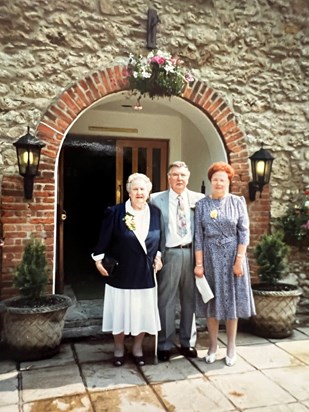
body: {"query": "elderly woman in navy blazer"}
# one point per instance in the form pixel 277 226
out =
pixel 131 234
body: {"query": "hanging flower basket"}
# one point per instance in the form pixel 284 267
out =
pixel 159 74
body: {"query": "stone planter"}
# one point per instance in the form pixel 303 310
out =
pixel 32 333
pixel 275 310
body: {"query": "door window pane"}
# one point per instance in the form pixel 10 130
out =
pixel 156 169
pixel 142 160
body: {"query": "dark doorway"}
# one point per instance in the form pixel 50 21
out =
pixel 89 187
pixel 93 173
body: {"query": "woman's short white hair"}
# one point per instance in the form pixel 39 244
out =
pixel 138 176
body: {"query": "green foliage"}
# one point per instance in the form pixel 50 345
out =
pixel 31 275
pixel 270 254
pixel 158 74
pixel 295 222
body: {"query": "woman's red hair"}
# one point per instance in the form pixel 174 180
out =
pixel 221 167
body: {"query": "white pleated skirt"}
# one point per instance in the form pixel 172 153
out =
pixel 131 311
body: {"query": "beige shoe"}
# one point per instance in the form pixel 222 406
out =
pixel 230 361
pixel 210 357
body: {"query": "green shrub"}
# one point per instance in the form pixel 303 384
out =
pixel 271 255
pixel 295 222
pixel 31 275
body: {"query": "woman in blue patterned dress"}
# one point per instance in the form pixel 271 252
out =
pixel 221 240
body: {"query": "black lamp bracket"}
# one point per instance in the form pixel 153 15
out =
pixel 28 186
pixel 253 188
pixel 152 22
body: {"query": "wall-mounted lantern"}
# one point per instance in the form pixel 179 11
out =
pixel 261 165
pixel 28 149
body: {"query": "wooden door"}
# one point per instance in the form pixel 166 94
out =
pixel 142 156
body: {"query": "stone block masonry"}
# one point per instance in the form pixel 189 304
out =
pixel 249 58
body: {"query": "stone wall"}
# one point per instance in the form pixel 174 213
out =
pixel 254 52
pixel 299 270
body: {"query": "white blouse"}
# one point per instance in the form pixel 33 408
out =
pixel 142 221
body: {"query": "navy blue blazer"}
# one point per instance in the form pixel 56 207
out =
pixel 135 270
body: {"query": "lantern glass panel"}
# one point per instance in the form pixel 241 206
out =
pixel 268 165
pixel 28 160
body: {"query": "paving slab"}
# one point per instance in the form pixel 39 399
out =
pixel 251 390
pixel 306 403
pixel 202 343
pixel 202 340
pixel 294 380
pixel 267 356
pixel 64 357
pixel 75 403
pixel 194 395
pixel 299 349
pixel 243 338
pixel 94 351
pixel 7 366
pixel 51 382
pixel 219 367
pixel 104 376
pixel 291 407
pixel 8 388
pixel 178 368
pixel 304 329
pixel 10 408
pixel 270 375
pixel 135 399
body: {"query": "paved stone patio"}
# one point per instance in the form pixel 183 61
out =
pixel 270 375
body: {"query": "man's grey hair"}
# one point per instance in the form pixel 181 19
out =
pixel 177 163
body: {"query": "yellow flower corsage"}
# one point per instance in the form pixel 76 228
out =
pixel 129 221
pixel 214 214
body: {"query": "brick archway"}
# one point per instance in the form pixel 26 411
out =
pixel 20 218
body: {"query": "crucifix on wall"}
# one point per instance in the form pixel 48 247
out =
pixel 152 22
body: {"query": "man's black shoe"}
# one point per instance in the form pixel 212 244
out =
pixel 164 355
pixel 188 352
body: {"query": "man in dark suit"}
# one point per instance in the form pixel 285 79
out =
pixel 177 272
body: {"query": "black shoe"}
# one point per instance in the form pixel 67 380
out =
pixel 188 352
pixel 139 360
pixel 164 355
pixel 118 361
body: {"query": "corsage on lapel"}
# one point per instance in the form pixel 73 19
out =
pixel 214 214
pixel 129 221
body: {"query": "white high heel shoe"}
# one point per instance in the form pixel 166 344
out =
pixel 211 357
pixel 230 361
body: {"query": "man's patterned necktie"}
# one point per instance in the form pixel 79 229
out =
pixel 181 218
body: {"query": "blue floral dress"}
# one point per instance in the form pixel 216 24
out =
pixel 220 225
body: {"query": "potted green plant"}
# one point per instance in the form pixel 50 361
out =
pixel 33 322
pixel 275 301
